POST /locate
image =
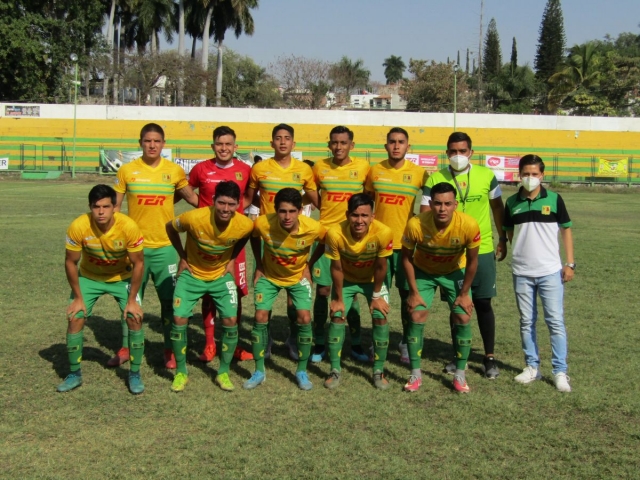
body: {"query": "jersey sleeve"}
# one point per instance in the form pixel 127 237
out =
pixel 507 220
pixel 194 176
pixel 181 180
pixel 74 238
pixel 253 177
pixel 368 184
pixel 180 223
pixel 120 184
pixel 409 239
pixel 561 212
pixel 332 243
pixel 494 188
pixel 322 234
pixel 309 179
pixel 135 241
pixel 256 232
pixel 473 239
pixel 385 239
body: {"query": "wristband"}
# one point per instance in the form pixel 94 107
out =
pixel 502 239
pixel 376 295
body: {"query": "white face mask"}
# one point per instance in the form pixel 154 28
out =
pixel 459 162
pixel 530 183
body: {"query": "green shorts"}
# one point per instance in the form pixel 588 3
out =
pixel 92 290
pixel 449 284
pixel 161 265
pixel 395 269
pixel 350 290
pixel 322 272
pixel 265 293
pixel 484 283
pixel 189 290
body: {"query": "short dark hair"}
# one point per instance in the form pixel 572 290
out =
pixel 281 126
pixel 311 163
pixel 257 158
pixel 102 191
pixel 442 187
pixel 456 137
pixel 358 200
pixel 288 195
pixel 398 130
pixel 341 129
pixel 151 127
pixel 531 160
pixel 229 189
pixel 223 130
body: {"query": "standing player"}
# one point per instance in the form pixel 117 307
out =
pixel 358 248
pixel 440 249
pixel 215 236
pixel 287 237
pixel 150 183
pixel 338 178
pixel 205 176
pixel 395 183
pixel 478 194
pixel 108 246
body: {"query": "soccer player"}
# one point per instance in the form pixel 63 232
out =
pixel 150 183
pixel 440 249
pixel 338 178
pixel 395 183
pixel 537 215
pixel 215 236
pixel 287 237
pixel 479 195
pixel 205 176
pixel 358 248
pixel 108 246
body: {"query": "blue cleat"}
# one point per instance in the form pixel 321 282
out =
pixel 256 379
pixel 358 354
pixel 318 355
pixel 303 381
pixel 135 383
pixel 73 380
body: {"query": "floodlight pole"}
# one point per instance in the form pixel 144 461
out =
pixel 74 59
pixel 455 94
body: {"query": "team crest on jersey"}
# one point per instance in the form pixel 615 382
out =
pixel 239 176
pixel 176 302
pixel 455 241
pixel 296 177
pixel 301 243
pixel 546 210
pixel 316 272
pixel 462 184
pixel 166 177
pixel 118 244
pixel 371 246
pixel 353 174
pixel 258 298
pixel 231 241
pixel 407 177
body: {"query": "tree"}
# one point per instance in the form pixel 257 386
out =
pixel 431 88
pixel 394 69
pixel 348 75
pixel 551 41
pixel 305 81
pixel 514 56
pixel 155 16
pixel 492 55
pixel 513 90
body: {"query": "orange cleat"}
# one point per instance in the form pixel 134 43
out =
pixel 208 353
pixel 121 357
pixel 242 355
pixel 169 359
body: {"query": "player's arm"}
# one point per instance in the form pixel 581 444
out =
pixel 337 277
pixel 414 299
pixel 188 194
pixel 119 200
pixel 71 269
pixel 507 225
pixel 133 308
pixel 317 253
pixel 497 208
pixel 174 238
pixel 312 195
pixel 425 204
pixel 255 248
pixel 567 242
pixel 463 299
pixel 379 273
pixel 237 248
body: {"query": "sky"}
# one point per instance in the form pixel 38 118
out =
pixel 372 30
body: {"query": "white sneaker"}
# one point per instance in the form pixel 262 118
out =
pixel 528 375
pixel 404 353
pixel 562 382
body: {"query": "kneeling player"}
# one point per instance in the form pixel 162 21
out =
pixel 440 248
pixel 288 237
pixel 215 236
pixel 108 245
pixel 358 249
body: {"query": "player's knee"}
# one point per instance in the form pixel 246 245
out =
pixel 75 324
pixel 262 316
pixel 229 322
pixel 380 321
pixel 419 316
pixel 180 320
pixel 323 291
pixel 338 320
pixel 303 317
pixel 460 319
pixel 133 325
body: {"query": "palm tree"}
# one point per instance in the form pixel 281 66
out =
pixel 155 16
pixel 348 75
pixel 394 69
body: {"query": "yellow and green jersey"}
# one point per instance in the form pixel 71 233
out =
pixel 208 249
pixel 285 254
pixel 105 256
pixel 150 194
pixel 268 177
pixel 436 252
pixel 358 256
pixel 337 184
pixel 395 192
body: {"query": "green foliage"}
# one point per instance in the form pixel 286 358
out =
pixel 394 69
pixel 348 75
pixel 551 41
pixel 492 54
pixel 513 91
pixel 514 55
pixel 431 87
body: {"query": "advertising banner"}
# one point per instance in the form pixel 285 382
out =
pixel 613 168
pixel 22 110
pixel 504 168
pixel 428 162
pixel 4 163
pixel 112 160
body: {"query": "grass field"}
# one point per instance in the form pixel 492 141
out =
pixel 500 430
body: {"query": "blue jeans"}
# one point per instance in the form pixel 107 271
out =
pixel 550 288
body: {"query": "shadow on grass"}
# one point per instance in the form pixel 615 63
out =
pixel 57 355
pixel 108 333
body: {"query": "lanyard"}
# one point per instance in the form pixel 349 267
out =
pixel 463 198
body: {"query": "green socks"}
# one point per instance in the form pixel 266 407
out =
pixel 125 332
pixel 320 315
pixel 380 346
pixel 336 340
pixel 136 349
pixel 305 339
pixel 415 341
pixel 166 317
pixel 259 344
pixel 179 346
pixel 74 349
pixel 463 345
pixel 353 320
pixel 229 344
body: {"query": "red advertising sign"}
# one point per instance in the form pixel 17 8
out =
pixel 428 162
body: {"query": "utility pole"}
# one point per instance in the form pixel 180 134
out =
pixel 480 56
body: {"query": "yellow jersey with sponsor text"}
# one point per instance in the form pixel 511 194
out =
pixel 395 194
pixel 337 184
pixel 104 255
pixel 358 256
pixel 208 249
pixel 149 193
pixel 441 253
pixel 285 254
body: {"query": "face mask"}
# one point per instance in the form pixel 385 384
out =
pixel 459 162
pixel 530 183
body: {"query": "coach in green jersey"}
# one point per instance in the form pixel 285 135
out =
pixel 478 194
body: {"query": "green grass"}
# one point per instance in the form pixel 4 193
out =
pixel 500 430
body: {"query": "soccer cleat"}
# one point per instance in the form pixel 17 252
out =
pixel 379 381
pixel 119 358
pixel 404 353
pixel 169 359
pixel 358 354
pixel 267 351
pixel 303 381
pixel 224 382
pixel 333 380
pixel 293 349
pixel 460 384
pixel 561 379
pixel 318 354
pixel 73 380
pixel 490 368
pixel 413 384
pixel 242 355
pixel 256 379
pixel 451 368
pixel 135 383
pixel 208 353
pixel 528 375
pixel 179 382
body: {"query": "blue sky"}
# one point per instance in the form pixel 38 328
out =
pixel 422 29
